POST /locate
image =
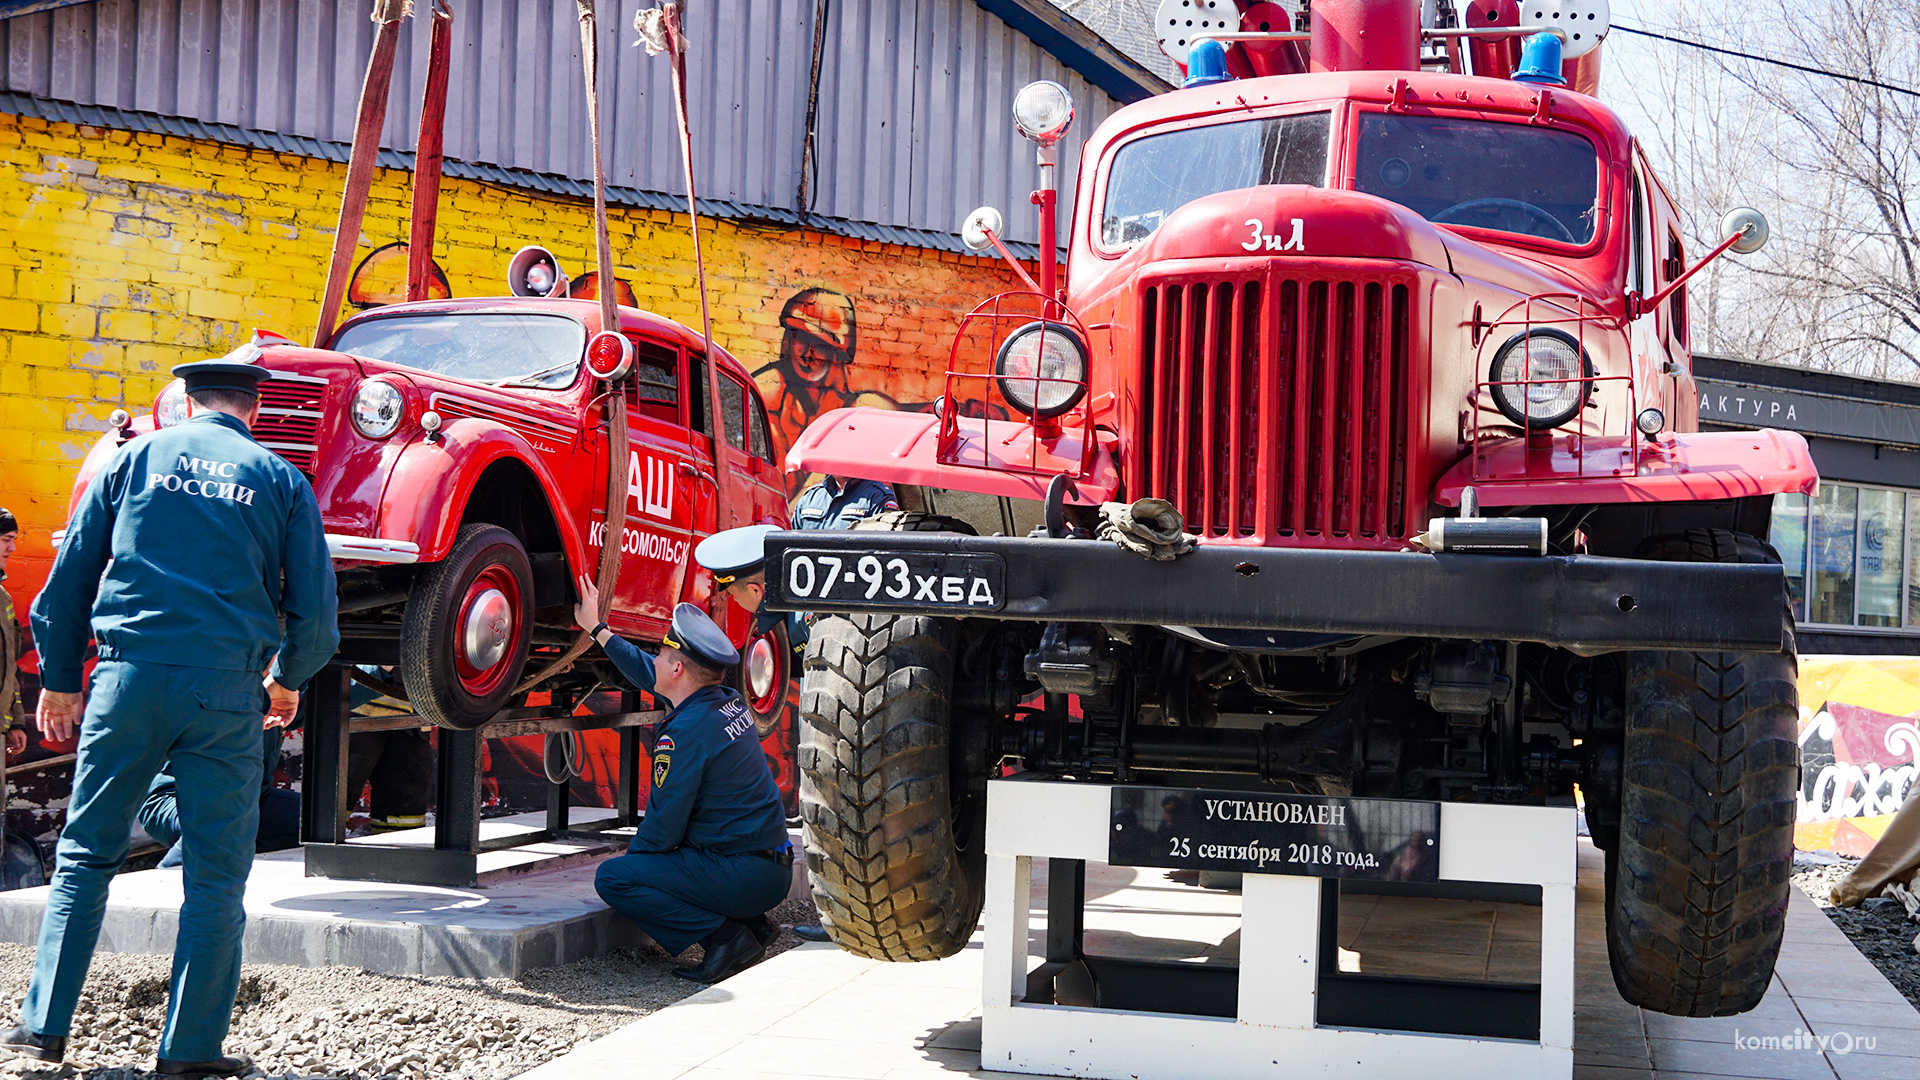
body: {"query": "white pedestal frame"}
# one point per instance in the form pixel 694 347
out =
pixel 1275 1033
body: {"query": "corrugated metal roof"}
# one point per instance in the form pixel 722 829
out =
pixel 913 131
pixel 544 183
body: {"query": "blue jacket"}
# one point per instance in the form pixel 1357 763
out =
pixel 711 787
pixel 206 539
pixel 823 506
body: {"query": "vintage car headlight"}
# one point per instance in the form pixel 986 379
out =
pixel 377 406
pixel 172 406
pixel 1043 111
pixel 1541 354
pixel 1042 369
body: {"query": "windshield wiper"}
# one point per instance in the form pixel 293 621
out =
pixel 528 380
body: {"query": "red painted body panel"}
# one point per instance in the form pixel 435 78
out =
pixel 1676 468
pixel 844 441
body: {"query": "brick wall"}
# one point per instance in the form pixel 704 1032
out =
pixel 131 252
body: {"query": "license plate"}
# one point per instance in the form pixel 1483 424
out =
pixel 839 580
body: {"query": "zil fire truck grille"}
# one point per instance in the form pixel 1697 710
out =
pixel 290 413
pixel 1277 407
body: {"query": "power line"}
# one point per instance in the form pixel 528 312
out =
pixel 1770 60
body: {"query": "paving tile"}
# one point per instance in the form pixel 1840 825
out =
pixel 644 1042
pixel 1866 1014
pixel 1723 1059
pixel 960 1035
pixel 1608 1072
pixel 1874 1067
pixel 833 1020
pixel 937 1061
pixel 1887 1041
pixel 814 1057
pixel 1631 1054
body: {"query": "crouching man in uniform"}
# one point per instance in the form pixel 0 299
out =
pixel 184 554
pixel 711 857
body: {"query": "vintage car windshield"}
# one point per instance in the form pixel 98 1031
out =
pixel 1514 178
pixel 1154 176
pixel 521 348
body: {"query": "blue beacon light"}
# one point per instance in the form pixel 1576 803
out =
pixel 1206 64
pixel 1540 61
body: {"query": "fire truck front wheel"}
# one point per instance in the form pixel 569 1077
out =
pixel 895 850
pixel 467 627
pixel 1697 883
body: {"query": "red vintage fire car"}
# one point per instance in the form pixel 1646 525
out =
pixel 460 459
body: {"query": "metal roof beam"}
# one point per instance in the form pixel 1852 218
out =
pixel 11 8
pixel 1070 42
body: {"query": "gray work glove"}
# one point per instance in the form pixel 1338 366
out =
pixel 1148 527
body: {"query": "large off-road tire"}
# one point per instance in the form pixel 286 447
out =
pixel 1697 884
pixel 897 875
pixel 467 628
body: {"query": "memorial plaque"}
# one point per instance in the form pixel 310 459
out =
pixel 1260 833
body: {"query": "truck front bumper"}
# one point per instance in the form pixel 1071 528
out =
pixel 1584 603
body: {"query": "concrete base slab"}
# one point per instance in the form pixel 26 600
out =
pixel 817 1012
pixel 499 930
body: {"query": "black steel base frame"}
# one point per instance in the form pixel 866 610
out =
pixel 1069 976
pixel 454 858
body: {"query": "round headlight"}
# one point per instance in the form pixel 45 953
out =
pixel 172 406
pixel 1044 111
pixel 376 409
pixel 1541 355
pixel 1042 369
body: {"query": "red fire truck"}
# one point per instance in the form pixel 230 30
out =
pixel 1406 351
pixel 460 463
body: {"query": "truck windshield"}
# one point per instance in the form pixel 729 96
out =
pixel 1152 177
pixel 1512 178
pixel 485 346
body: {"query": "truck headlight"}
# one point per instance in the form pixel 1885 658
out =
pixel 172 406
pixel 1042 369
pixel 1043 111
pixel 377 406
pixel 1543 355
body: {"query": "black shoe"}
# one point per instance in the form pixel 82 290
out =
pixel 38 1047
pixel 764 929
pixel 230 1065
pixel 730 957
pixel 811 932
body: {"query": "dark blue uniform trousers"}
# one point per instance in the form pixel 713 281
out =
pixel 141 715
pixel 681 896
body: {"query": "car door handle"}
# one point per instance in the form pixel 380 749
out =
pixel 694 472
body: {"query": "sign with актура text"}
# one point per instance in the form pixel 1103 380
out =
pixel 1258 833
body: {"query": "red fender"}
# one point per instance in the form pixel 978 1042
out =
pixel 102 451
pixel 1687 467
pixel 903 448
pixel 425 497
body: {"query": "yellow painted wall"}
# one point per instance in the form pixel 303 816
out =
pixel 126 253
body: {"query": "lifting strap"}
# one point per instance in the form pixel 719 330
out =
pixel 427 155
pixel 615 399
pixel 360 162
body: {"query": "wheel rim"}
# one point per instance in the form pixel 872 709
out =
pixel 763 674
pixel 485 630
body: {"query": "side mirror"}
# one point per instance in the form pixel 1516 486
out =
pixel 1745 219
pixel 974 230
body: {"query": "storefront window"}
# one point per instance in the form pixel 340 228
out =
pixel 1835 520
pixel 1789 536
pixel 1882 555
pixel 1913 565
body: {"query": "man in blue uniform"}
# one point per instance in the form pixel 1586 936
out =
pixel 185 554
pixel 711 857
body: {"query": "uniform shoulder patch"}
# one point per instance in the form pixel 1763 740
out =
pixel 663 745
pixel 661 763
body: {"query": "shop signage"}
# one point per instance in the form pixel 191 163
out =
pixel 1746 405
pixel 1261 833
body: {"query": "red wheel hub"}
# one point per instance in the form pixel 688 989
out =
pixel 484 630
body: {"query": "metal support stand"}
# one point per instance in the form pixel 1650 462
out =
pixel 456 855
pixel 1287 1010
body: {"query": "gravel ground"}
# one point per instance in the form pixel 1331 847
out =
pixel 1879 928
pixel 346 1024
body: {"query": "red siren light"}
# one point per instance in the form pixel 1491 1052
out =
pixel 609 355
pixel 1366 35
